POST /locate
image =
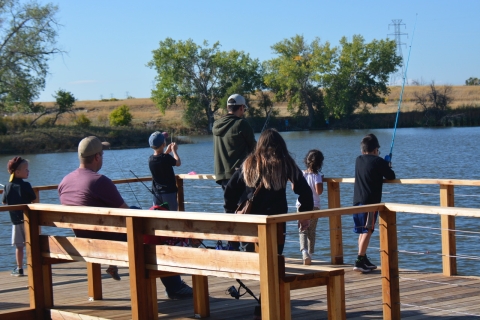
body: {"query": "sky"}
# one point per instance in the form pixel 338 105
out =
pixel 108 43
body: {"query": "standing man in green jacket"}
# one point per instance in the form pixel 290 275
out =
pixel 233 140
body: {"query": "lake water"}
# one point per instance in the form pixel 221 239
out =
pixel 446 153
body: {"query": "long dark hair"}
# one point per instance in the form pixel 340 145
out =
pixel 270 162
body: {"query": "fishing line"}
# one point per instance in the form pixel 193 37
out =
pixel 266 121
pixel 389 156
pixel 150 190
pixel 121 170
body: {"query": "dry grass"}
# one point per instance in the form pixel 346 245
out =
pixel 144 110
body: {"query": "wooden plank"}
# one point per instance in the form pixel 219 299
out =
pixel 202 272
pixel 335 224
pixel 65 315
pixel 453 211
pixel 198 216
pixel 47 285
pixel 200 258
pixel 389 260
pixel 34 263
pixel 71 247
pixel 449 247
pixel 82 221
pixel 139 286
pixel 28 314
pixel 201 303
pixel 213 230
pixel 268 258
pixel 94 281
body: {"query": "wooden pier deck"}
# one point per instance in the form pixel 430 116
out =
pixel 423 296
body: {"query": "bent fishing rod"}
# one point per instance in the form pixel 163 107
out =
pixel 150 190
pixel 389 156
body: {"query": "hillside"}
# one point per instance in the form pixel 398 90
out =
pixel 144 110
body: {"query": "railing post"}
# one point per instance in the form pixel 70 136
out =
pixel 389 263
pixel 34 263
pixel 269 284
pixel 37 193
pixel 449 247
pixel 138 279
pixel 335 224
pixel 180 194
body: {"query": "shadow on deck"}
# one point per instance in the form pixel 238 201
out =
pixel 424 296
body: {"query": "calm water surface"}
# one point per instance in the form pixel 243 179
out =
pixel 447 153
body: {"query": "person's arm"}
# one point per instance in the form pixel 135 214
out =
pixel 387 171
pixel 301 187
pixel 319 184
pixel 233 192
pixel 124 206
pixel 175 154
pixel 249 135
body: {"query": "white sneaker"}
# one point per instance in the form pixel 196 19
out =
pixel 307 258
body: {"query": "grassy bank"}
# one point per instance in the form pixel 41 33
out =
pixel 19 137
pixel 61 139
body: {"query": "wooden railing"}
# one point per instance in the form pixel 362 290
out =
pixel 446 193
pixel 140 258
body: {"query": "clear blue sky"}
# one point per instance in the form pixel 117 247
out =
pixel 109 42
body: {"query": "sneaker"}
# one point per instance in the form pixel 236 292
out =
pixel 307 258
pixel 113 271
pixel 360 266
pixel 368 264
pixel 183 293
pixel 17 272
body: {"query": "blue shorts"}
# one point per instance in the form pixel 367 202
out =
pixel 364 221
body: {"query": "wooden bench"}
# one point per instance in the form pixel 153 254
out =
pixel 297 276
pixel 148 262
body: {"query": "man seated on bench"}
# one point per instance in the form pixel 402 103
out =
pixel 86 187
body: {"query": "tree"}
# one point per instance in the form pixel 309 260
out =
pixel 28 33
pixel 435 103
pixel 121 116
pixel 361 75
pixel 472 81
pixel 64 102
pixel 200 76
pixel 297 74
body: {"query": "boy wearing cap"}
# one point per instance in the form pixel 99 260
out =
pixel 18 191
pixel 233 140
pixel 164 184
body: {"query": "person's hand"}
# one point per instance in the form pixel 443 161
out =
pixel 303 224
pixel 174 146
pixel 169 148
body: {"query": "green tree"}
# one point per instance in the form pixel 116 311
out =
pixel 297 74
pixel 200 76
pixel 361 75
pixel 28 33
pixel 472 81
pixel 121 116
pixel 64 102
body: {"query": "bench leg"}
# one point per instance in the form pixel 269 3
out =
pixel 201 300
pixel 336 298
pixel 286 309
pixel 152 298
pixel 94 275
pixel 47 285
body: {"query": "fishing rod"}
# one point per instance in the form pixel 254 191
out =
pixel 131 189
pixel 266 121
pixel 150 190
pixel 389 156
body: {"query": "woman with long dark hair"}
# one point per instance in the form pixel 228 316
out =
pixel 269 166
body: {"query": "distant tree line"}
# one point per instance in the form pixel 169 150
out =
pixel 472 81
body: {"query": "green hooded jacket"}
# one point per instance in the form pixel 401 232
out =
pixel 233 140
